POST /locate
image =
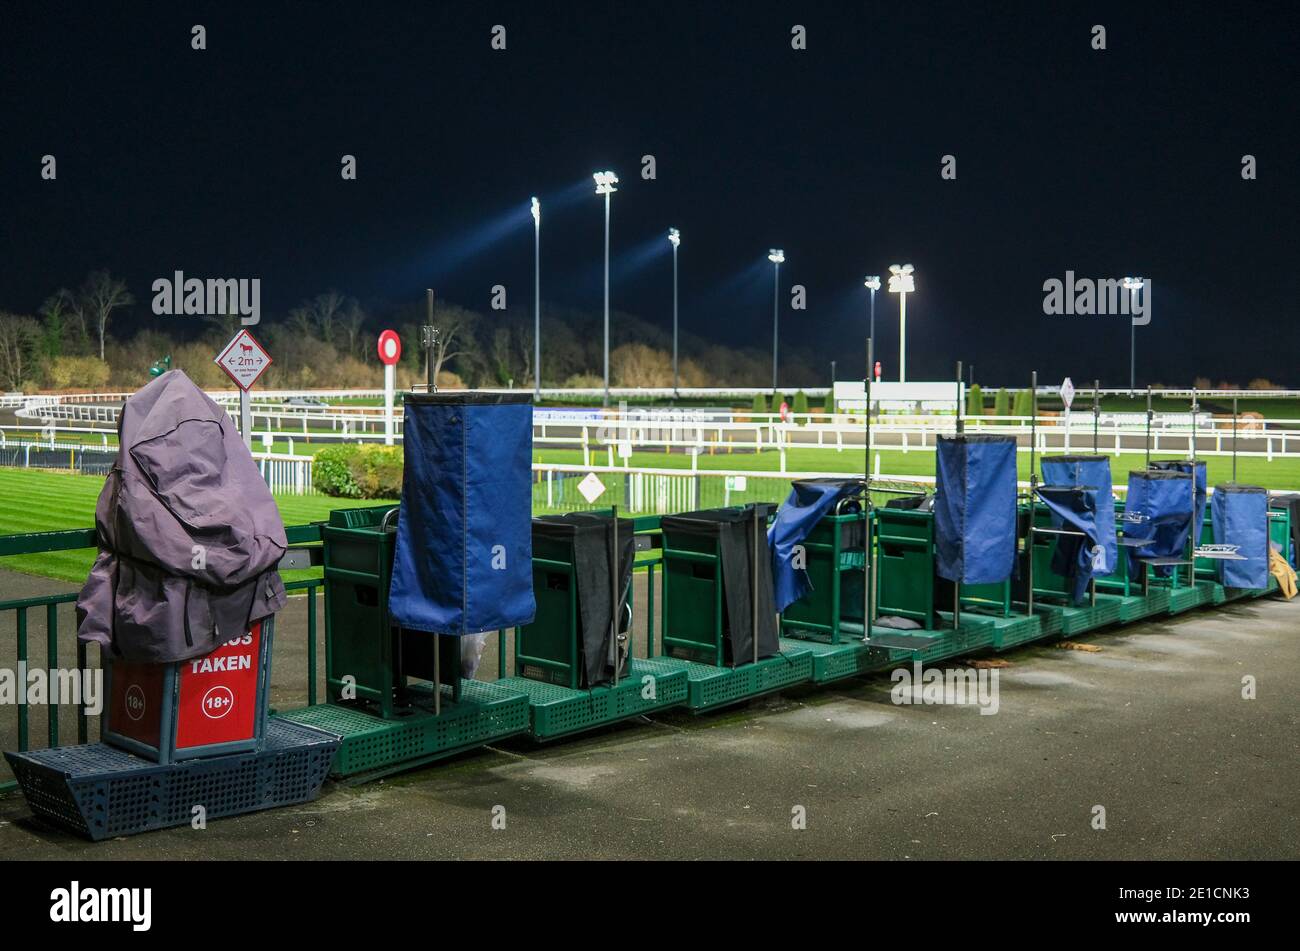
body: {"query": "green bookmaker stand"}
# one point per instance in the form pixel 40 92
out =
pixel 380 679
pixel 576 674
pixel 719 613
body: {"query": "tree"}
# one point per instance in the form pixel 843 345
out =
pixel 760 404
pixel 801 406
pixel 638 364
pixel 351 321
pixel 974 401
pixel 1002 403
pixel 103 294
pixel 18 343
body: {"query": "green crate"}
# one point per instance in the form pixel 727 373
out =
pixel 373 746
pixel 905 565
pixel 834 565
pixel 556 711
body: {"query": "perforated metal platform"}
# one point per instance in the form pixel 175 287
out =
pixel 711 687
pixel 1185 598
pixel 557 711
pixel 372 746
pixel 1006 632
pixel 832 662
pixel 100 791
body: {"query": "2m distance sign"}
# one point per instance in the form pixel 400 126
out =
pixel 244 360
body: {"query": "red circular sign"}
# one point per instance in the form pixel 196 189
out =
pixel 390 348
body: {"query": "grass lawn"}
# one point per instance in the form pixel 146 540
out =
pixel 43 500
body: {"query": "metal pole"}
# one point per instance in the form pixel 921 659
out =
pixel 866 494
pixel 1096 412
pixel 245 418
pixel 614 593
pixel 606 299
pixel 902 337
pixel 1033 422
pixel 961 426
pixel 1234 439
pixel 1149 414
pixel 753 584
pixel 437 674
pixel 430 384
pixel 1132 342
pixel 537 308
pixel 674 321
pixel 871 331
pixel 1033 490
pixel 776 314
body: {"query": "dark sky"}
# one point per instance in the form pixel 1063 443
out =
pixel 225 163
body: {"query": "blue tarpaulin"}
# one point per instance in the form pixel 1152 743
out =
pixel 975 508
pixel 808 501
pixel 1190 466
pixel 463 561
pixel 1239 514
pixel 1091 471
pixel 1159 506
pixel 1077 559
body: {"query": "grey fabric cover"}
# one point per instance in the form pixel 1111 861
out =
pixel 189 535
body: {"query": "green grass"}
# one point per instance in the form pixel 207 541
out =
pixel 35 500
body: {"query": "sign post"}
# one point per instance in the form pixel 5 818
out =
pixel 244 360
pixel 1067 397
pixel 390 351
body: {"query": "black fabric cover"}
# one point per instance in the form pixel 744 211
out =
pixel 591 536
pixel 737 535
pixel 1291 502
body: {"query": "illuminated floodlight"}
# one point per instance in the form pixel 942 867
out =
pixel 776 256
pixel 872 283
pixel 674 237
pixel 537 211
pixel 605 182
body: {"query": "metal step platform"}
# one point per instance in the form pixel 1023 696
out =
pixel 555 711
pixel 831 662
pixel 709 687
pixel 101 792
pixel 372 746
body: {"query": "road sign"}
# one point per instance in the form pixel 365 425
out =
pixel 244 360
pixel 1067 393
pixel 591 487
pixel 390 348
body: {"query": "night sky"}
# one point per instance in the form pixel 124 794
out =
pixel 225 163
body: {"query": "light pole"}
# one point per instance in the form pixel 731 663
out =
pixel 901 283
pixel 777 257
pixel 872 284
pixel 537 298
pixel 605 182
pixel 1132 285
pixel 674 238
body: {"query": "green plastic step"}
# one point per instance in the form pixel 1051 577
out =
pixel 711 687
pixel 1184 599
pixel 942 644
pixel 372 746
pixel 556 711
pixel 1007 632
pixel 832 662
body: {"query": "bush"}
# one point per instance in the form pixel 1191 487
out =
pixel 760 404
pixel 1002 403
pixel 80 372
pixel 974 401
pixel 368 471
pixel 331 472
pixel 801 405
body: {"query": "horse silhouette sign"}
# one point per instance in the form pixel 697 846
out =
pixel 244 359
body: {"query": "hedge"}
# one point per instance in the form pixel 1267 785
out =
pixel 367 471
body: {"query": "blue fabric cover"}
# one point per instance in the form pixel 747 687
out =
pixel 1090 471
pixel 1074 508
pixel 1191 466
pixel 463 561
pixel 1239 514
pixel 808 501
pixel 975 508
pixel 1164 498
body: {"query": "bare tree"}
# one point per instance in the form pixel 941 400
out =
pixel 102 295
pixel 450 325
pixel 63 304
pixel 17 341
pixel 327 309
pixel 352 320
pixel 302 322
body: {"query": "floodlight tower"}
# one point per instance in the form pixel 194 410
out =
pixel 1132 285
pixel 674 238
pixel 872 284
pixel 537 298
pixel 901 283
pixel 777 257
pixel 605 182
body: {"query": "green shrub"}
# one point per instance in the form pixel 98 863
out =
pixel 760 403
pixel 1002 403
pixel 974 401
pixel 331 472
pixel 801 406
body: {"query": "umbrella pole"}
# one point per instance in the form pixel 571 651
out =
pixel 613 591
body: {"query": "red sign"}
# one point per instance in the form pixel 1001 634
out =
pixel 877 371
pixel 390 348
pixel 243 359
pixel 135 708
pixel 218 693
